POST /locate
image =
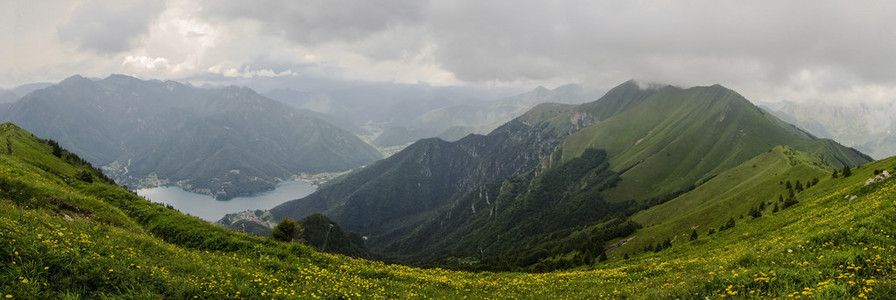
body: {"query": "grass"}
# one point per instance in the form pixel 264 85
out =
pixel 678 137
pixel 731 194
pixel 96 240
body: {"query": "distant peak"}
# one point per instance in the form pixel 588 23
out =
pixel 76 80
pixel 541 89
pixel 120 76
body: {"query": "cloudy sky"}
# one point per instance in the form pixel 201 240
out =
pixel 767 50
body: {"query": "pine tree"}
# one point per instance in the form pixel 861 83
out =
pixel 57 151
pixel 846 171
pixel 755 212
pixel 729 224
pixel 693 234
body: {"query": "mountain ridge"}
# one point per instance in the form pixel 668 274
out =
pixel 64 227
pixel 224 142
pixel 661 142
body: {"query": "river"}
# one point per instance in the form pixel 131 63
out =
pixel 209 209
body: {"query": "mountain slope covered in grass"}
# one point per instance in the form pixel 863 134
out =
pixel 390 199
pixel 679 138
pixel 638 146
pixel 222 142
pixel 67 232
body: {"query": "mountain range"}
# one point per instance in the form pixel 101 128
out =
pixel 224 142
pixel 395 116
pixel 781 224
pixel 869 127
pixel 557 172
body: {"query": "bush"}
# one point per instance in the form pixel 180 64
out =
pixel 286 231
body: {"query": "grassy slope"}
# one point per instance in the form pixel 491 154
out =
pixel 731 194
pixel 684 136
pixel 119 245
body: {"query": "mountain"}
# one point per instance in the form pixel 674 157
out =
pixel 223 142
pixel 456 121
pixel 595 163
pixel 389 199
pixel 26 89
pixel 681 137
pixel 324 106
pixel 67 232
pixel 8 96
pixel 390 116
pixel 369 108
pixel 869 127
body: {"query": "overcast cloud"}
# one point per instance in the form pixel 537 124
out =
pixel 767 50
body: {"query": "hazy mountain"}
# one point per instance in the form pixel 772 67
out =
pixel 371 107
pixel 224 142
pixel 8 97
pixel 395 195
pixel 869 127
pixel 554 169
pixel 456 121
pixel 394 115
pixel 26 89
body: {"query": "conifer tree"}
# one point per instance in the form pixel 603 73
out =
pixel 846 171
pixel 693 234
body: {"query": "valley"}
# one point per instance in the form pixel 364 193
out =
pixel 64 226
pixel 169 149
pixel 224 142
pixel 551 188
pixel 649 180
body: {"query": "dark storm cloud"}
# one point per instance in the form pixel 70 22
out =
pixel 109 27
pixel 320 21
pixel 769 49
pixel 692 41
pixel 645 38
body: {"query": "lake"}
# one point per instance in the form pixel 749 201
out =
pixel 209 209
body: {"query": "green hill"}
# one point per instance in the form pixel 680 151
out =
pixel 389 200
pixel 679 138
pixel 68 233
pixel 645 145
pixel 224 142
